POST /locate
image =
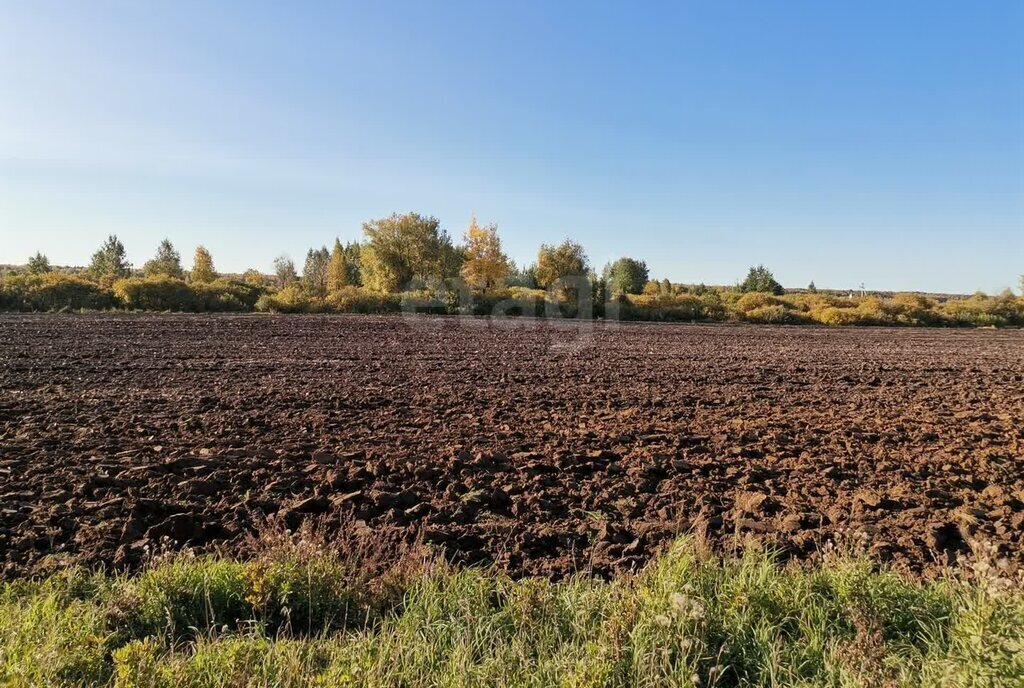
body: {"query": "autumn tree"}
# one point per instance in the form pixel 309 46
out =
pixel 314 271
pixel 400 248
pixel 559 262
pixel 38 264
pixel 761 279
pixel 166 262
pixel 110 262
pixel 337 269
pixel 202 266
pixel 253 276
pixel 485 266
pixel 284 271
pixel 626 276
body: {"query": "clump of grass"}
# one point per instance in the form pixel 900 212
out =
pixel 240 660
pixel 302 586
pixel 690 618
pixel 181 596
pixel 296 583
pixel 54 632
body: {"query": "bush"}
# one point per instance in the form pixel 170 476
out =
pixel 158 293
pixel 526 293
pixel 226 295
pixel 775 314
pixel 428 302
pixel 837 316
pixel 914 309
pixel 291 299
pixel 985 311
pixel 808 303
pixel 712 306
pixel 513 301
pixel 688 307
pixel 683 307
pixel 161 293
pixel 908 301
pixel 351 299
pixel 753 301
pixel 53 291
pixel 875 311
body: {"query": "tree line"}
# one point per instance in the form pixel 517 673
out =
pixel 398 252
pixel 405 257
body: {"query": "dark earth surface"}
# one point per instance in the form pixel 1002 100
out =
pixel 543 449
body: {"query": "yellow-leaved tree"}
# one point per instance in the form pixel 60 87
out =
pixel 202 266
pixel 485 266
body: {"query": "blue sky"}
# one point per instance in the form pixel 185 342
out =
pixel 873 142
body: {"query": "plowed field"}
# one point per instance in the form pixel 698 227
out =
pixel 532 446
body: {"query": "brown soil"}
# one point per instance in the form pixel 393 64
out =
pixel 535 447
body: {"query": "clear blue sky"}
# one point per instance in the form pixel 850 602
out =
pixel 844 142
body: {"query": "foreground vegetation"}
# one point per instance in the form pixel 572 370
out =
pixel 303 614
pixel 407 263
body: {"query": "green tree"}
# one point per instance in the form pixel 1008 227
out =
pixel 284 271
pixel 38 264
pixel 760 278
pixel 449 260
pixel 599 289
pixel 167 262
pixel 314 271
pixel 353 260
pixel 110 262
pixel 568 259
pixel 337 269
pixel 400 248
pixel 202 266
pixel 811 288
pixel 1022 285
pixel 525 276
pixel 626 276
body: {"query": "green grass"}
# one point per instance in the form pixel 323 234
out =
pixel 300 614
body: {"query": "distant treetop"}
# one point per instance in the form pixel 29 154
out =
pixel 38 264
pixel 110 262
pixel 166 262
pixel 761 279
pixel 202 266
